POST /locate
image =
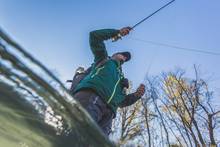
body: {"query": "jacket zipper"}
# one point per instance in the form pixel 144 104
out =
pixel 113 93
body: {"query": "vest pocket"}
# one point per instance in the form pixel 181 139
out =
pixel 97 71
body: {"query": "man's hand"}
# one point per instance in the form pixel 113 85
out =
pixel 140 91
pixel 125 31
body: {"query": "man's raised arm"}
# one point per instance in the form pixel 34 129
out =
pixel 96 40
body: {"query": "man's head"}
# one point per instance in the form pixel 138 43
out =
pixel 122 57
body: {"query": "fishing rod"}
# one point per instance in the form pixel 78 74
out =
pixel 134 26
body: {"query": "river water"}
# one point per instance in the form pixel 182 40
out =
pixel 36 109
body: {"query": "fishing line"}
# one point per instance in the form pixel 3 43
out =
pixel 176 47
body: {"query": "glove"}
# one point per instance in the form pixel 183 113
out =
pixel 125 31
pixel 140 91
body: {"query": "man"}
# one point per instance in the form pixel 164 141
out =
pixel 101 92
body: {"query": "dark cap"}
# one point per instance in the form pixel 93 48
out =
pixel 126 54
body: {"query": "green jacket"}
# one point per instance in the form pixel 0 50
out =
pixel 105 80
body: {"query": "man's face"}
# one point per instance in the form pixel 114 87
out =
pixel 119 57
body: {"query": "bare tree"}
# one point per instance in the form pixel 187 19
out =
pixel 176 111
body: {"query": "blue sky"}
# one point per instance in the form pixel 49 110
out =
pixel 56 33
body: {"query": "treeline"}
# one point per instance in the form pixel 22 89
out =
pixel 176 111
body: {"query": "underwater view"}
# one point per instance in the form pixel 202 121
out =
pixel 36 110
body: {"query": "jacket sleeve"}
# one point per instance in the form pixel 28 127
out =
pixel 96 40
pixel 129 100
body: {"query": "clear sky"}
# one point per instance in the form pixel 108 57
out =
pixel 56 32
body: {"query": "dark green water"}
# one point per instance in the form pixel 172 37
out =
pixel 36 109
